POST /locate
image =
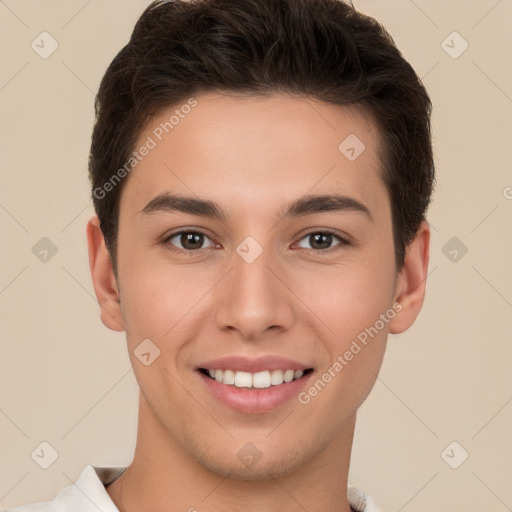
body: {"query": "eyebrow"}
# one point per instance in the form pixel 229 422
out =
pixel 305 205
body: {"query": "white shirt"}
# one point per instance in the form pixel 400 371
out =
pixel 88 494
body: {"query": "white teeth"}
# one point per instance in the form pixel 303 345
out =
pixel 259 380
pixel 228 377
pixel 277 377
pixel 243 380
pixel 288 375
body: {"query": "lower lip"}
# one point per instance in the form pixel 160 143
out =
pixel 254 400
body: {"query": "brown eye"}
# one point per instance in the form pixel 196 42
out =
pixel 188 241
pixel 321 241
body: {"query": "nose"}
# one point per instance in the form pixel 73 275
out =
pixel 255 298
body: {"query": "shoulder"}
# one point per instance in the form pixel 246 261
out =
pixel 45 506
pixel 87 494
pixel 360 501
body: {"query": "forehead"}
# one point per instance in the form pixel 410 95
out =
pixel 250 149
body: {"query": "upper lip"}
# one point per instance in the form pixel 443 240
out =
pixel 253 365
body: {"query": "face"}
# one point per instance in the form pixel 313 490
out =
pixel 249 290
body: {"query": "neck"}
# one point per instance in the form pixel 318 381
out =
pixel 164 478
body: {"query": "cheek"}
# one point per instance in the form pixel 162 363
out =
pixel 353 308
pixel 347 298
pixel 155 298
pixel 343 384
pixel 158 306
pixel 165 306
pixel 144 301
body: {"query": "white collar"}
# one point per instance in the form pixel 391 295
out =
pixel 88 494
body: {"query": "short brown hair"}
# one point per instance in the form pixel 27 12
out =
pixel 323 49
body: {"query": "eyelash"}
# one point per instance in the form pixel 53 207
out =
pixel 188 252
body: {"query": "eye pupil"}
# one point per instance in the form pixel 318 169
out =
pixel 189 238
pixel 325 240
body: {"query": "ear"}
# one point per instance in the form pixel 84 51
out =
pixel 411 283
pixel 103 278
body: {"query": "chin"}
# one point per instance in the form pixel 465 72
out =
pixel 264 466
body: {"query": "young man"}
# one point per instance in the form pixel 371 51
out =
pixel 261 172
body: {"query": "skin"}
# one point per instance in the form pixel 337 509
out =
pixel 252 155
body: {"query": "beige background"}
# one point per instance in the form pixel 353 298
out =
pixel 67 380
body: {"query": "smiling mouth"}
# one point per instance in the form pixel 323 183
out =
pixel 258 380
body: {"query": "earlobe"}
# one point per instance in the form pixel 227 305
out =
pixel 412 281
pixel 103 278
